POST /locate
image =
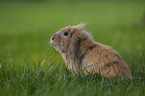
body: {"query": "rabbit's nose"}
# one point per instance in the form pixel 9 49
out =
pixel 53 37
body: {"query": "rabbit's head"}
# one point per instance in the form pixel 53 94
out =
pixel 66 40
pixel 60 39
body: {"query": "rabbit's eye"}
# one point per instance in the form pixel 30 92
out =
pixel 65 33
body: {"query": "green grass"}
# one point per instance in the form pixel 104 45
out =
pixel 30 66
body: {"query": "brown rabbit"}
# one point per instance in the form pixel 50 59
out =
pixel 80 52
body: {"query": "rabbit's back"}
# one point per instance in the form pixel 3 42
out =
pixel 104 59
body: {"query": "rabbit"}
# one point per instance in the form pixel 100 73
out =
pixel 82 54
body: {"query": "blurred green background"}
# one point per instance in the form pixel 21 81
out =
pixel 30 66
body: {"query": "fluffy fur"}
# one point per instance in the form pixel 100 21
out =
pixel 80 52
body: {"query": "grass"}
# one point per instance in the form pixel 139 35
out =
pixel 29 66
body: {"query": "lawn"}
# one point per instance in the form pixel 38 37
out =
pixel 30 66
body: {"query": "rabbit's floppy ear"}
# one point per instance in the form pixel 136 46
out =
pixel 73 44
pixel 74 39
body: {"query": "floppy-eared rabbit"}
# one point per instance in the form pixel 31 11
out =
pixel 80 52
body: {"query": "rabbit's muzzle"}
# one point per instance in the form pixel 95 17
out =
pixel 52 39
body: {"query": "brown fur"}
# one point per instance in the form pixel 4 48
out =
pixel 80 52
